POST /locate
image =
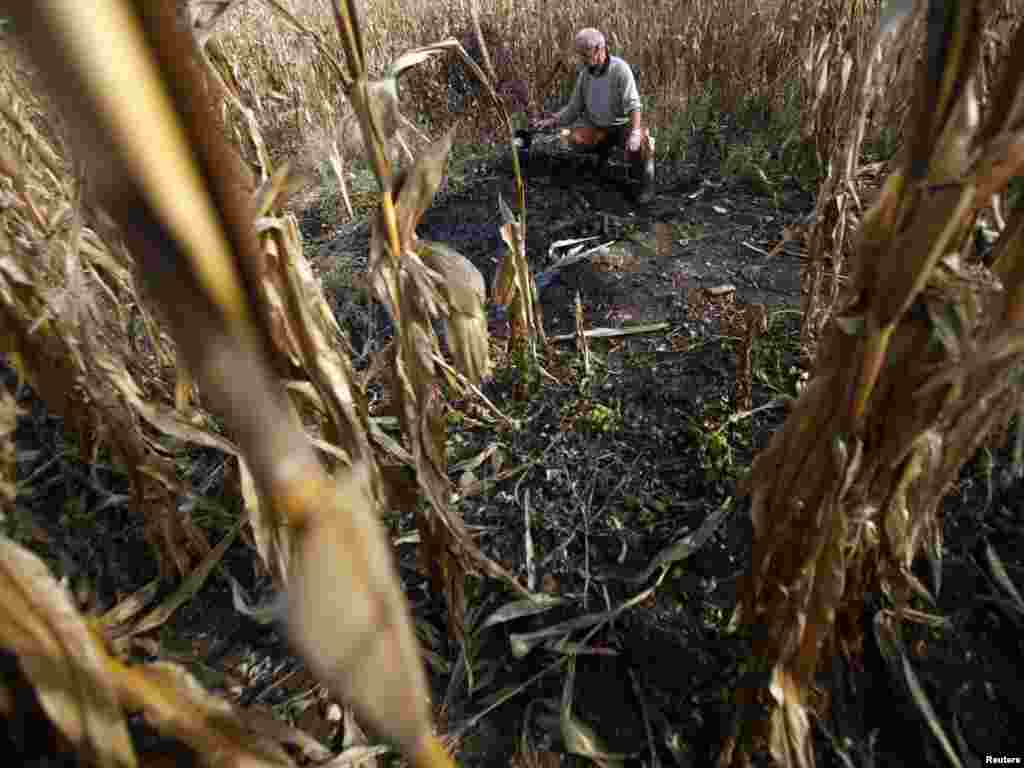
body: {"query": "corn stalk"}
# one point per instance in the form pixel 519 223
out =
pixel 844 79
pixel 66 303
pixel 165 174
pixel 418 281
pixel 514 285
pixel 916 370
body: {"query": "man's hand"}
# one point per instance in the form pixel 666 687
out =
pixel 636 137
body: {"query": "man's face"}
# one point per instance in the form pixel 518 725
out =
pixel 591 57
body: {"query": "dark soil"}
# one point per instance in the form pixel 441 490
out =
pixel 625 461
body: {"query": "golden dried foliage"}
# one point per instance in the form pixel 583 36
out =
pixel 67 303
pixel 410 291
pixel 179 195
pixel 419 281
pixel 88 693
pixel 912 374
pixel 845 77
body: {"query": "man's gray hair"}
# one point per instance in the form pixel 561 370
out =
pixel 589 38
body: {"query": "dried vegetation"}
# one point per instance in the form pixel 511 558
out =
pixel 154 293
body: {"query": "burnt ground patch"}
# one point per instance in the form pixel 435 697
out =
pixel 641 452
pixel 619 463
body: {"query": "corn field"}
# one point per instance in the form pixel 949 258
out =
pixel 156 295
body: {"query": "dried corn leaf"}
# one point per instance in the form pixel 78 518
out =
pixel 364 645
pixel 418 56
pixel 383 100
pixel 441 559
pixel 383 94
pixel 952 154
pixel 174 703
pixel 415 189
pixel 270 537
pixel 273 286
pixel 327 365
pixel 462 287
pixel 514 284
pixel 60 658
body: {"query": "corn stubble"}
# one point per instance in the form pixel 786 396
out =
pixel 916 371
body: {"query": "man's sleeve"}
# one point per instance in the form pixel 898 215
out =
pixel 630 94
pixel 572 110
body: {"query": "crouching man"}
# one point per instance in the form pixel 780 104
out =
pixel 606 104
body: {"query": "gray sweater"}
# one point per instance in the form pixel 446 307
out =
pixel 605 100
